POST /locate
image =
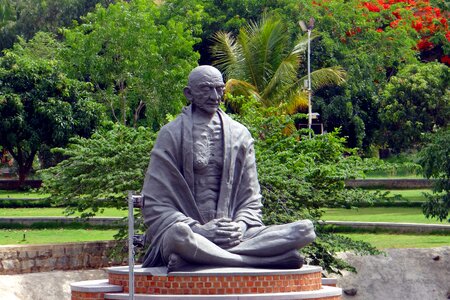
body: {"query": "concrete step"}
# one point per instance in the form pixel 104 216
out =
pixel 325 293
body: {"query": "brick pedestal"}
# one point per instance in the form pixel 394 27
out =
pixel 210 283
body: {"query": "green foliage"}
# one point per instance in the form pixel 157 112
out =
pixel 137 60
pixel 300 176
pixel 435 161
pixel 228 16
pixel 99 171
pixel 370 51
pixel 260 63
pixel 415 101
pixel 39 105
pixel 27 17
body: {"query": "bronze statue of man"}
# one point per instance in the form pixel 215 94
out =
pixel 201 192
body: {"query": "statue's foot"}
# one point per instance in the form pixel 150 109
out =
pixel 176 263
pixel 288 260
pixel 293 261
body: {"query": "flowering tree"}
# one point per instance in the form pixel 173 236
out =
pixel 429 22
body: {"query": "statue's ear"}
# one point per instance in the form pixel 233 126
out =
pixel 188 94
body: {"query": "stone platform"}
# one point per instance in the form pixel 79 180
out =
pixel 210 283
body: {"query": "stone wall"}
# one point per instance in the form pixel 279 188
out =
pixel 18 259
pixel 390 183
pixel 13 184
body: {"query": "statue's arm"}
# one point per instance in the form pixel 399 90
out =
pixel 248 212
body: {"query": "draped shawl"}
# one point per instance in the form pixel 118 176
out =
pixel 169 181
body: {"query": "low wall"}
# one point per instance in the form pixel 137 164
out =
pixel 13 184
pixel 18 259
pixel 390 183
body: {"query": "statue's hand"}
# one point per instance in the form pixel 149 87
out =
pixel 230 234
pixel 222 232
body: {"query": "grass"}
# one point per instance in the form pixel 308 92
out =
pixel 407 195
pixel 380 214
pixel 54 212
pixel 6 194
pixel 46 236
pixel 385 241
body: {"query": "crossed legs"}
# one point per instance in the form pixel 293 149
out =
pixel 273 247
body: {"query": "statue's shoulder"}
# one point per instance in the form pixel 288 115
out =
pixel 171 130
pixel 237 128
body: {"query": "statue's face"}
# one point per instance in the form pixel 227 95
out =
pixel 206 88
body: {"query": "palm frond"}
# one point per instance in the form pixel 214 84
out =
pixel 295 102
pixel 227 53
pixel 236 88
pixel 302 44
pixel 285 75
pixel 326 77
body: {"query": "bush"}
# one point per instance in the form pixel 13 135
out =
pixel 99 171
pixel 299 176
pixel 435 161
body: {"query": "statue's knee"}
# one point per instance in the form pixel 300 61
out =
pixel 305 230
pixel 309 232
pixel 180 233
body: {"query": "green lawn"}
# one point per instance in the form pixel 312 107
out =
pixel 384 241
pixel 47 236
pixel 54 212
pixel 380 214
pixel 21 195
pixel 411 195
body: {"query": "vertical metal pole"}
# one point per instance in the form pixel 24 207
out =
pixel 309 83
pixel 130 246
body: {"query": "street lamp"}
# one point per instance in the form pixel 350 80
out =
pixel 308 28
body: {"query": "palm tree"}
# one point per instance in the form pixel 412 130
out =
pixel 258 63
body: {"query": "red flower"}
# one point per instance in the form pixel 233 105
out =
pixel 371 7
pixel 417 25
pixel 397 14
pixel 445 59
pixel 424 44
pixel 447 36
pixel 437 12
pixel 394 24
pixel 380 30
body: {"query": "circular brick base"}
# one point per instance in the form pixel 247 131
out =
pixel 218 281
pixel 210 283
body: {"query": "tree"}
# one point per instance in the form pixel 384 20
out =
pixel 371 52
pixel 229 16
pixel 26 17
pixel 137 62
pixel 415 101
pixel 100 170
pixel 299 176
pixel 260 63
pixel 39 105
pixel 435 161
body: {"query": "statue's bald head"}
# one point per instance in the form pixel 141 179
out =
pixel 205 89
pixel 204 74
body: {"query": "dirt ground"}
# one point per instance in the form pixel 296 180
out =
pixel 413 274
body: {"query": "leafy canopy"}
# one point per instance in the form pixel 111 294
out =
pixel 415 101
pixel 260 63
pixel 300 176
pixel 435 161
pixel 39 105
pixel 137 61
pixel 100 170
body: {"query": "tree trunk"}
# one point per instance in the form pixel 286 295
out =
pixel 24 162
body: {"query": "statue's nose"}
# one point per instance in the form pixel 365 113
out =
pixel 215 94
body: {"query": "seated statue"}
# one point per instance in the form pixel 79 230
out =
pixel 202 201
